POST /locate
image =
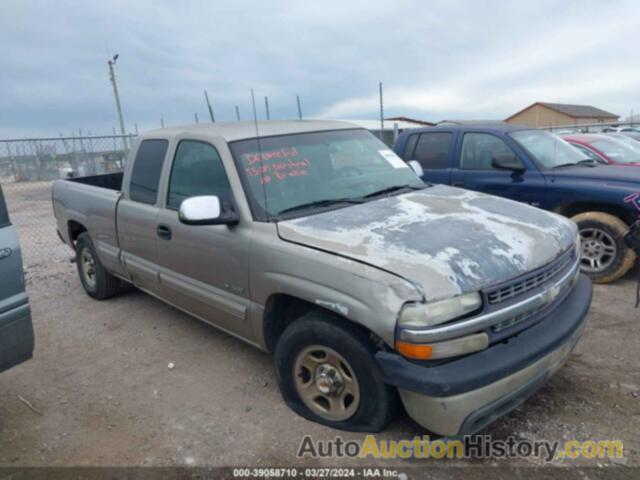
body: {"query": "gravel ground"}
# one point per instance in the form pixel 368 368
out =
pixel 105 396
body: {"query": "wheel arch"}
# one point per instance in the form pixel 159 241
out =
pixel 74 229
pixel 575 208
pixel 283 309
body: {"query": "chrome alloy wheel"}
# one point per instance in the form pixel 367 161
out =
pixel 599 250
pixel 326 383
pixel 88 265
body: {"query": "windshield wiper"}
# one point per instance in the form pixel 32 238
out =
pixel 393 189
pixel 320 203
pixel 587 161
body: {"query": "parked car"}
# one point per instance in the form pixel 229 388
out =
pixel 541 169
pixel 627 136
pixel 606 149
pixel 621 129
pixel 16 329
pixel 628 129
pixel 630 138
pixel 318 243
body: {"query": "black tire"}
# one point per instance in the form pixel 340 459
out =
pixel 614 229
pixel 101 285
pixel 378 402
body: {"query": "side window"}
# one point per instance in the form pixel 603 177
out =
pixel 147 168
pixel 4 214
pixel 197 170
pixel 478 149
pixel 410 147
pixel 432 150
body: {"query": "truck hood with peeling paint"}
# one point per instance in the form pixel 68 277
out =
pixel 445 240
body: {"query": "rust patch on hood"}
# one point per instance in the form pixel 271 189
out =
pixel 446 240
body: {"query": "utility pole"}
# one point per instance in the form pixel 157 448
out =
pixel 299 107
pixel 266 107
pixel 195 115
pixel 237 113
pixel 206 96
pixel 112 76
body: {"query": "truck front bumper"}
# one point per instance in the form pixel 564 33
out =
pixel 463 396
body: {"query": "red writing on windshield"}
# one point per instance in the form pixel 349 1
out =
pixel 276 164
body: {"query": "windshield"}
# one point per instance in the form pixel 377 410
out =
pixel 617 150
pixel 548 149
pixel 292 171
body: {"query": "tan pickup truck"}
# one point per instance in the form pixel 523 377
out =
pixel 315 241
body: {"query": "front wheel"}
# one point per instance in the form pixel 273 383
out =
pixel 327 373
pixel 605 257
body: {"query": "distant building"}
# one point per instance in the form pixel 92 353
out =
pixel 542 114
pixel 469 122
pixel 408 120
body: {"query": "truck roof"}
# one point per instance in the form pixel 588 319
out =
pixel 497 128
pixel 232 131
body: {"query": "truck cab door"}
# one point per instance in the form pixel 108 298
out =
pixel 203 268
pixel 433 151
pixel 137 216
pixel 475 171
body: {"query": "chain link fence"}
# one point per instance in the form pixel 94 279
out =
pixel 27 170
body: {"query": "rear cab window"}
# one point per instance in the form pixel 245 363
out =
pixel 147 168
pixel 433 149
pixel 4 214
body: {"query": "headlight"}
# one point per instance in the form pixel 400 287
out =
pixel 422 315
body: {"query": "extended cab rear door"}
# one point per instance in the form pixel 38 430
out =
pixel 433 150
pixel 16 330
pixel 137 215
pixel 473 170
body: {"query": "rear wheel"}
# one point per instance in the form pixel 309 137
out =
pixel 327 373
pixel 605 257
pixel 97 282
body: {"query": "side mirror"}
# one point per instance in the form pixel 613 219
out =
pixel 507 161
pixel 205 210
pixel 416 167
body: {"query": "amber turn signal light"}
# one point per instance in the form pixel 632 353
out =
pixel 411 350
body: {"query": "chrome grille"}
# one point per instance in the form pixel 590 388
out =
pixel 532 281
pixel 510 322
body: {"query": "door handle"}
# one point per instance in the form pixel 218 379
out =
pixel 457 184
pixel 164 232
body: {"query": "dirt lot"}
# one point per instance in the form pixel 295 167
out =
pixel 105 396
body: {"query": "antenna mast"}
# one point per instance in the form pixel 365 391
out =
pixel 206 96
pixel 255 122
pixel 299 107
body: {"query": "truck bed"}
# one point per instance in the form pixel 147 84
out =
pixel 90 203
pixel 112 181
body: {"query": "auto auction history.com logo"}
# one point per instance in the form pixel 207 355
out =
pixel 468 447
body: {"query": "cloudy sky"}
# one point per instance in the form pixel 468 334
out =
pixel 436 59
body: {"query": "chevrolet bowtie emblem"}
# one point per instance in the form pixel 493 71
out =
pixel 549 294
